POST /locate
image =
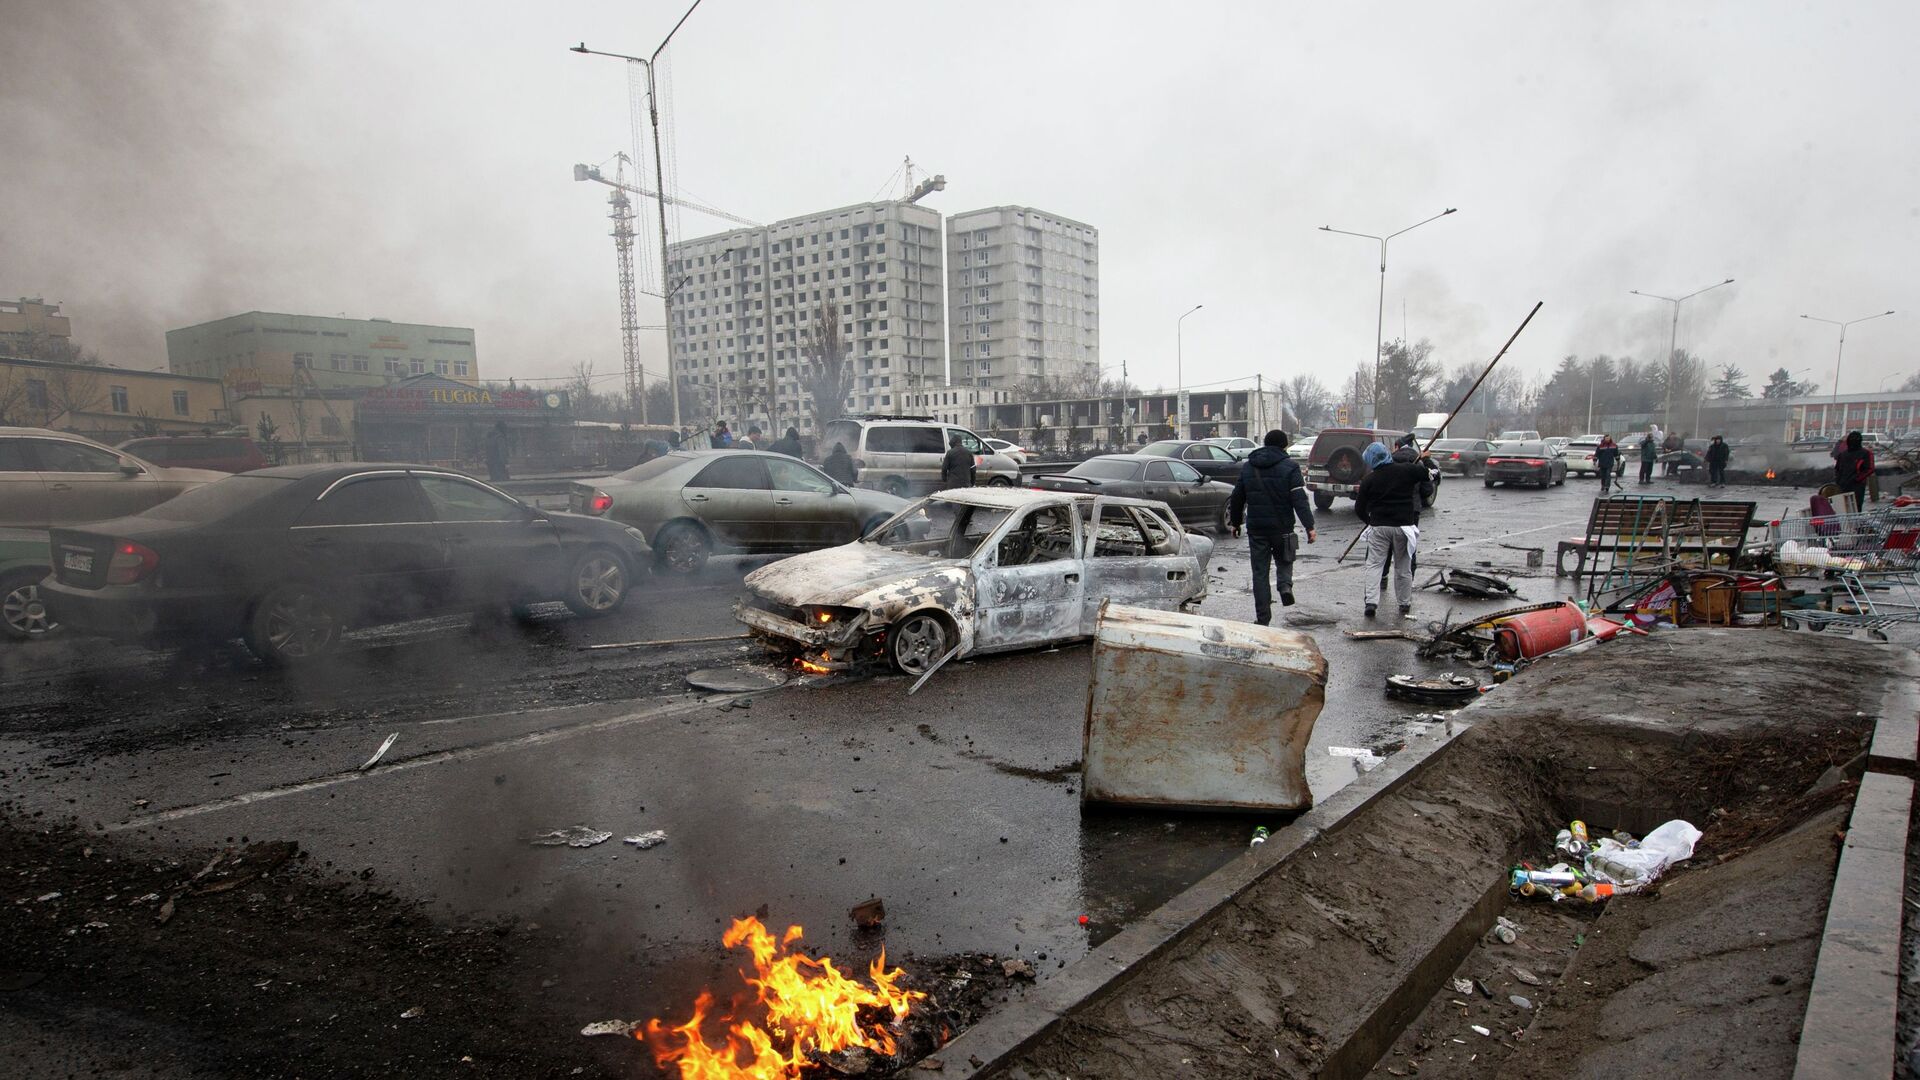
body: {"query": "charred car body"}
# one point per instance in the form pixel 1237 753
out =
pixel 977 571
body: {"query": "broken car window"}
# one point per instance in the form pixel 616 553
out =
pixel 1117 535
pixel 1043 535
pixel 938 528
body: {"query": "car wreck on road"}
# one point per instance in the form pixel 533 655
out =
pixel 972 571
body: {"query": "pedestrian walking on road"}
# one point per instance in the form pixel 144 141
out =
pixel 721 438
pixel 498 448
pixel 1851 468
pixel 1605 457
pixel 956 469
pixel 1718 453
pixel 1649 453
pixel 1673 444
pixel 1269 497
pixel 839 465
pixel 788 444
pixel 1389 502
pixel 751 442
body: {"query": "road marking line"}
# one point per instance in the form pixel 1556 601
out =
pixel 438 757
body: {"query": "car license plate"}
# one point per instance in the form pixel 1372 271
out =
pixel 78 563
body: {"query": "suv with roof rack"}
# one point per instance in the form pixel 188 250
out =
pixel 901 455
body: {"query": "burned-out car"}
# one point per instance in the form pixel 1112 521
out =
pixel 978 570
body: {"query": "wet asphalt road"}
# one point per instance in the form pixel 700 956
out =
pixel 958 806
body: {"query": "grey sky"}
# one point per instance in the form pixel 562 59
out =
pixel 166 163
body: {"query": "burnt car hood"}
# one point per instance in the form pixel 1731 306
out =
pixel 842 576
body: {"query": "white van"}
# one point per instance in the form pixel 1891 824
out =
pixel 902 455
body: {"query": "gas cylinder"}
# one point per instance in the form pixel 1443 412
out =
pixel 1533 633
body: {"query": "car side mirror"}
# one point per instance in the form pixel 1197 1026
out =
pixel 128 468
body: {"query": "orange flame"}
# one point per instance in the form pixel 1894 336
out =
pixel 810 1007
pixel 812 668
pixel 1770 474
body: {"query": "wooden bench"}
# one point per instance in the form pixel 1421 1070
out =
pixel 1631 523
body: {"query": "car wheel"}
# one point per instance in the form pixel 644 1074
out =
pixel 683 548
pixel 999 481
pixel 1322 500
pixel 1561 481
pixel 293 624
pixel 1488 483
pixel 21 607
pixel 1346 466
pixel 894 486
pixel 917 642
pixel 1222 522
pixel 597 583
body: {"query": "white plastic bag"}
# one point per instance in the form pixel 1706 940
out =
pixel 1630 869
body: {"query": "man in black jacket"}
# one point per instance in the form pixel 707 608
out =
pixel 956 469
pixel 1389 502
pixel 839 465
pixel 1717 454
pixel 1269 496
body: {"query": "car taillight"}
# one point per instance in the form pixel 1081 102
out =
pixel 1455 455
pixel 1496 461
pixel 1535 461
pixel 130 562
pixel 599 503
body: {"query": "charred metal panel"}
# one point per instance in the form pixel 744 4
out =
pixel 1192 712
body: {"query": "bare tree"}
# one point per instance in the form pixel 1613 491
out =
pixel 13 399
pixel 144 424
pixel 72 388
pixel 828 374
pixel 1308 399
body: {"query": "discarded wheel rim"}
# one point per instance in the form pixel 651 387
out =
pixel 1443 690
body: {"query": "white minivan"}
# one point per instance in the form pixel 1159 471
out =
pixel 902 456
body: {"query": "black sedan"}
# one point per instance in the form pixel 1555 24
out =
pixel 1209 459
pixel 1195 499
pixel 1532 462
pixel 288 559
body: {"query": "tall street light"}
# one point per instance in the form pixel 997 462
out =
pixel 1839 351
pixel 1380 314
pixel 1179 367
pixel 660 186
pixel 1673 339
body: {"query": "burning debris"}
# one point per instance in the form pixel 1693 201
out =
pixel 809 1016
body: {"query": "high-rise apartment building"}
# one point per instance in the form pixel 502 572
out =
pixel 744 302
pixel 1023 289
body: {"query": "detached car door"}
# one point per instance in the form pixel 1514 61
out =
pixel 23 495
pixel 1133 556
pixel 808 508
pixel 371 540
pixel 1030 585
pixel 499 551
pixel 734 497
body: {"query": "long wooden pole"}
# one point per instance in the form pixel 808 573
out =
pixel 1461 404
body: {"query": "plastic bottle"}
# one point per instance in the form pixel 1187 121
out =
pixel 1594 891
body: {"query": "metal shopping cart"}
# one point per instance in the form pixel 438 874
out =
pixel 1874 556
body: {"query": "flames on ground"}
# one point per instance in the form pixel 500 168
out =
pixel 803 1012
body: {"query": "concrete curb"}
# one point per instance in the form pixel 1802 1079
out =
pixel 982 1049
pixel 1852 1008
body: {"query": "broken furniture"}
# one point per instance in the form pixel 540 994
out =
pixel 1645 525
pixel 1191 712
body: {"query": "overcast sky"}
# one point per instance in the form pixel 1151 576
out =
pixel 167 163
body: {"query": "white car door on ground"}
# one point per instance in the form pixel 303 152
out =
pixel 1133 556
pixel 1029 586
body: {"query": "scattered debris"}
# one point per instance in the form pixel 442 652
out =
pixel 869 913
pixel 46 897
pixel 928 674
pixel 1610 866
pixel 736 680
pixel 645 840
pixel 1381 635
pixel 1481 1031
pixel 1363 759
pixel 1447 689
pixel 930 1064
pixel 380 753
pixel 572 836
pixel 1017 969
pixel 1520 1001
pixel 414 1013
pixel 1476 585
pixel 666 641
pixel 1462 986
pixel 611 1027
pixel 1526 976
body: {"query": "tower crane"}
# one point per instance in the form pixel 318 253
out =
pixel 621 212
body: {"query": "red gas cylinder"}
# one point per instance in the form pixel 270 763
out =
pixel 1536 632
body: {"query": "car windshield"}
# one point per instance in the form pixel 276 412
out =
pixel 1104 470
pixel 938 528
pixel 1525 449
pixel 218 500
pixel 1162 449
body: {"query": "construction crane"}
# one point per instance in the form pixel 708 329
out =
pixel 914 193
pixel 621 212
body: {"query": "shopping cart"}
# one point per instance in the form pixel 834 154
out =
pixel 1873 555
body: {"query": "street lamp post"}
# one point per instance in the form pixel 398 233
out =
pixel 1673 340
pixel 1179 367
pixel 660 186
pixel 1839 351
pixel 1380 313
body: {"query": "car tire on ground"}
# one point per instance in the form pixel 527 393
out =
pixel 894 486
pixel 23 615
pixel 1322 500
pixel 598 581
pixel 682 548
pixel 293 624
pixel 917 642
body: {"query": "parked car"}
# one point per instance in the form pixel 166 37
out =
pixel 1519 436
pixel 1579 455
pixel 50 478
pixel 1463 456
pixel 901 455
pixel 1336 465
pixel 1196 499
pixel 975 571
pixel 1527 462
pixel 1015 451
pixel 1558 442
pixel 1237 445
pixel 287 559
pixel 24 563
pixel 1690 458
pixel 221 453
pixel 691 503
pixel 1210 459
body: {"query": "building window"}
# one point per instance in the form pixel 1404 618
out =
pixel 337 361
pixel 180 403
pixel 119 395
pixel 36 393
pixel 416 365
pixel 393 365
pixel 441 367
pixel 462 368
pixel 361 365
pixel 302 360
